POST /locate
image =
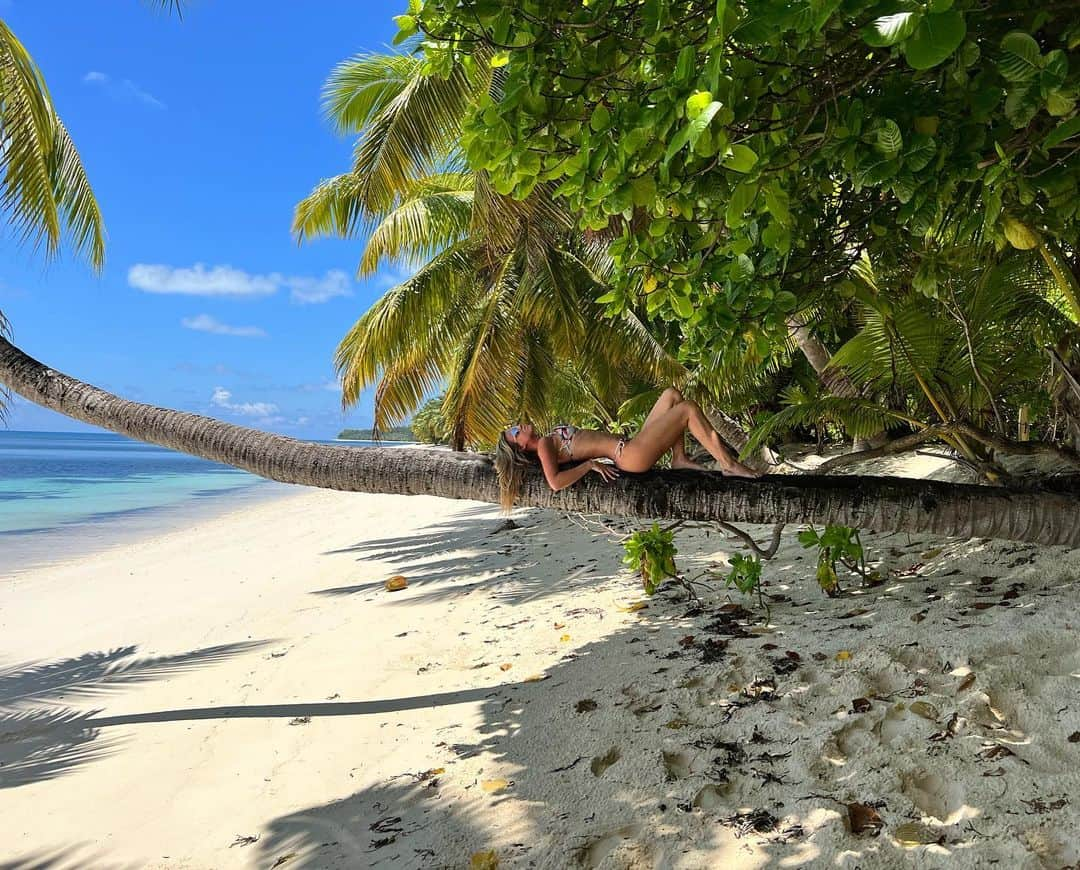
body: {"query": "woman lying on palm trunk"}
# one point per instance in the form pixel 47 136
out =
pixel 664 429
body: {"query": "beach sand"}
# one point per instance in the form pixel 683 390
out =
pixel 246 693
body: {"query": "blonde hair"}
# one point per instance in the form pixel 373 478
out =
pixel 510 463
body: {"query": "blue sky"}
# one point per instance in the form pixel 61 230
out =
pixel 199 136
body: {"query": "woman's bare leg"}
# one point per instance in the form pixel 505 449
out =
pixel 660 434
pixel 668 400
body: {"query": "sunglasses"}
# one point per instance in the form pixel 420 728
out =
pixel 514 431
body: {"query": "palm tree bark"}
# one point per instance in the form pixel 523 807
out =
pixel 880 503
pixel 834 379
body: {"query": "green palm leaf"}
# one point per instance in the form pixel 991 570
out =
pixel 414 134
pixel 434 214
pixel 44 187
pixel 857 416
pixel 422 312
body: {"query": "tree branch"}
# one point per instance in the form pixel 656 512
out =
pixel 903 444
pixel 766 552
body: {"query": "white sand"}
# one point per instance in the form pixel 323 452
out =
pixel 252 678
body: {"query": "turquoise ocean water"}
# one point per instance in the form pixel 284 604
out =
pixel 64 494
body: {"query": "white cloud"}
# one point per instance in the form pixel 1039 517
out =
pixel 311 291
pixel 222 398
pixel 206 323
pixel 201 281
pixel 124 90
pixel 320 387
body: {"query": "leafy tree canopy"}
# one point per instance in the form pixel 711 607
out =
pixel 742 156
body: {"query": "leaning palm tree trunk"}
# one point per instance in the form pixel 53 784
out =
pixel 834 379
pixel 879 503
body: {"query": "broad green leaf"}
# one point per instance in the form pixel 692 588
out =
pixel 682 305
pixel 937 37
pixel 776 200
pixel 407 27
pixel 1063 131
pixel 631 143
pixel 742 197
pixel 742 268
pixel 823 10
pixel 721 11
pixel 697 102
pixel 920 152
pixel 890 29
pixel 927 124
pixel 501 58
pixel 601 118
pixel 1059 104
pixel 777 237
pixel 684 66
pixel 925 280
pixel 691 132
pixel 1055 69
pixel 643 190
pixel 785 301
pixel 904 187
pixel 741 159
pixel 1020 107
pixel 888 140
pixel 1020 57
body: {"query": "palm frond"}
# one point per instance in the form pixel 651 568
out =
pixel 433 215
pixel 858 417
pixel 176 6
pixel 27 124
pixel 333 208
pixel 364 85
pixel 420 314
pixel 414 134
pixel 79 207
pixel 482 381
pixel 44 187
pixel 405 384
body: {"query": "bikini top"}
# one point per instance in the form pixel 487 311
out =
pixel 565 435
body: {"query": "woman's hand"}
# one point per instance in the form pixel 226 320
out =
pixel 608 472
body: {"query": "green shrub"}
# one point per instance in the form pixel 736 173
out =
pixel 652 554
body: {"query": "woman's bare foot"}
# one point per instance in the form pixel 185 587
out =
pixel 688 464
pixel 740 470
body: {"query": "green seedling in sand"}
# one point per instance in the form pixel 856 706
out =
pixel 745 575
pixel 836 544
pixel 652 554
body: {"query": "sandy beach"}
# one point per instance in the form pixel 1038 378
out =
pixel 246 693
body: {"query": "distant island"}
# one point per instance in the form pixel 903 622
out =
pixel 398 433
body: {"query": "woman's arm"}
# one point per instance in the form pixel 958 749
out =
pixel 549 461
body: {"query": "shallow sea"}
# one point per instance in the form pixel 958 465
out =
pixel 64 494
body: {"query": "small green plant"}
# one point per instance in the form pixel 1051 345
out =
pixel 836 544
pixel 745 576
pixel 652 554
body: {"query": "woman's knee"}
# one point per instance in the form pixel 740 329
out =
pixel 672 395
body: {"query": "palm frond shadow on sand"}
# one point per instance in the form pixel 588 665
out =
pixel 42 736
pixel 512 563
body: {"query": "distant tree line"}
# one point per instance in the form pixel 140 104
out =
pixel 398 433
pixel 428 426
